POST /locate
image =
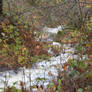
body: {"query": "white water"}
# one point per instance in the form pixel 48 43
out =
pixel 52 30
pixel 40 70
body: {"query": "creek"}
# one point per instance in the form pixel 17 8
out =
pixel 41 73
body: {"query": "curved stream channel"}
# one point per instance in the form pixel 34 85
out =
pixel 41 73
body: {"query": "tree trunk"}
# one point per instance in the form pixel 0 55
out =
pixel 1 7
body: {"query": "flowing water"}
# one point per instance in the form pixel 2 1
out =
pixel 40 74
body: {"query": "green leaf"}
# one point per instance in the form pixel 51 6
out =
pixel 59 87
pixel 15 83
pixel 11 27
pixel 11 35
pixel 16 33
pixel 83 65
pixel 80 90
pixel 72 63
pixel 59 81
pixel 3 51
pixel 50 84
pixel 73 73
pixel 79 48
